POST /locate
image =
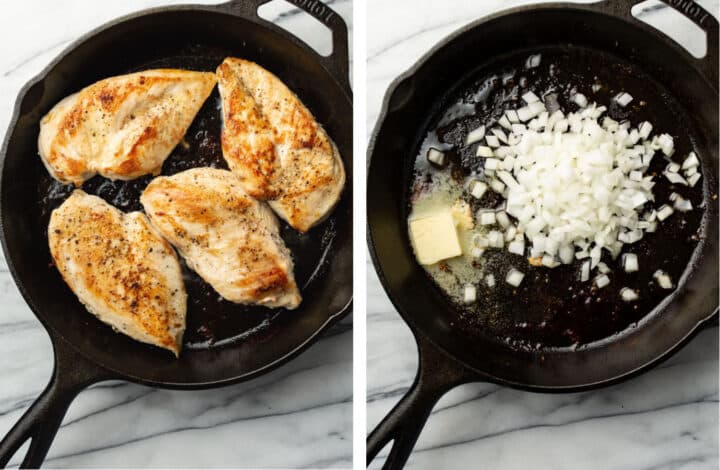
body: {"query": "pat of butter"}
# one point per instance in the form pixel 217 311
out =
pixel 434 237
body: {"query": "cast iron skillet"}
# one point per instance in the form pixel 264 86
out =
pixel 224 343
pixel 450 352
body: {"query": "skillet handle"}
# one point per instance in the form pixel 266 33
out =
pixel 338 60
pixel 708 65
pixel 437 374
pixel 71 374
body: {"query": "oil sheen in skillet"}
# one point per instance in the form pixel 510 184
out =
pixel 211 320
pixel 552 308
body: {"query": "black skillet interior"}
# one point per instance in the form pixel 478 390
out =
pixel 224 342
pixel 454 350
pixel 649 65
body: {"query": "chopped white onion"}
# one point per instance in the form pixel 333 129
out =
pixel 487 218
pixel 682 205
pixel 503 219
pixel 477 189
pixel 675 178
pixel 514 277
pixel 630 263
pixel 672 167
pixel 497 186
pixel 483 151
pixel 512 116
pixel 501 136
pixel 517 247
pixel 477 252
pixel 693 179
pixel 691 161
pixel 585 271
pixel 475 135
pixel 579 99
pixel 645 129
pixel 628 295
pixel 470 294
pixel 495 239
pixel 505 122
pixel 530 97
pixel 623 99
pixel 602 281
pixel 492 141
pixel 490 280
pixel 664 212
pixel 662 279
pixel 436 156
pixel 533 61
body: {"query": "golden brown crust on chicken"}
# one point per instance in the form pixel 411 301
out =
pixel 121 127
pixel 120 268
pixel 275 145
pixel 230 239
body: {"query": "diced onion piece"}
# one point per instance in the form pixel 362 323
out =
pixel 495 239
pixel 436 156
pixel 664 212
pixel 691 161
pixel 537 107
pixel 666 144
pixel 585 271
pixel 492 164
pixel 690 171
pixel 490 280
pixel 512 116
pixel 579 99
pixel 497 186
pixel 636 175
pixel 602 281
pixel 672 167
pixel 525 114
pixel 549 261
pixel 511 233
pixel 533 61
pixel 505 122
pixel 645 129
pixel 501 136
pixel 470 294
pixel 603 268
pixel 693 179
pixel 502 219
pixel 530 97
pixel 487 218
pixel 477 252
pixel 628 295
pixel 475 135
pixel 630 263
pixel 623 99
pixel 517 247
pixel 514 277
pixel 675 178
pixel 492 141
pixel 566 253
pixel 483 151
pixel 682 205
pixel 477 189
pixel 662 279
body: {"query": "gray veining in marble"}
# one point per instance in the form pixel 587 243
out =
pixel 299 416
pixel 665 419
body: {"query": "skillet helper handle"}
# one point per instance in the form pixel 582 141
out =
pixel 71 374
pixel 338 62
pixel 691 10
pixel 437 374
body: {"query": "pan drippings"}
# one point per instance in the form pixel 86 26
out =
pixel 552 308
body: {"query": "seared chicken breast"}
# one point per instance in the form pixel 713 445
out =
pixel 121 127
pixel 275 145
pixel 120 268
pixel 230 239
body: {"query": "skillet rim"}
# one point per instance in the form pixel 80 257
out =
pixel 343 84
pixel 418 333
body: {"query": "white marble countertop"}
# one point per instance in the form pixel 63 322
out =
pixel 664 419
pixel 298 416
